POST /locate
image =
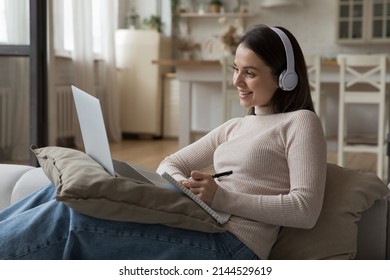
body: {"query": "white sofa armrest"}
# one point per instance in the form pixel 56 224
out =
pixel 17 181
pixel 28 183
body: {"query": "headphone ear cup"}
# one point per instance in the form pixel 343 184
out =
pixel 288 80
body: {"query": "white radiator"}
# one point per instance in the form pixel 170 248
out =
pixel 65 112
pixel 5 118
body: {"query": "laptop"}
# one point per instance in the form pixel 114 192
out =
pixel 96 143
pixel 96 146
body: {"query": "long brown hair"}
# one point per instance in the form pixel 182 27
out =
pixel 268 46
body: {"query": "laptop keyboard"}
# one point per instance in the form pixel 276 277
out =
pixel 124 170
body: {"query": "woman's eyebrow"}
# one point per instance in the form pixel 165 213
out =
pixel 249 67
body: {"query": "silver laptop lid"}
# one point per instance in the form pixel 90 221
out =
pixel 93 130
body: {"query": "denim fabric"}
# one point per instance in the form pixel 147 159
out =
pixel 39 227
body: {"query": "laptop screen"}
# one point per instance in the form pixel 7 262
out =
pixel 93 130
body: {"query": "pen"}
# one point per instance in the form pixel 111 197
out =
pixel 226 173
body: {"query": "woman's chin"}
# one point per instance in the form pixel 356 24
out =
pixel 244 104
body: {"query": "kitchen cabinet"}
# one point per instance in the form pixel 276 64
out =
pixel 364 21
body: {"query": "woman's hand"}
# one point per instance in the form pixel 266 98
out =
pixel 202 185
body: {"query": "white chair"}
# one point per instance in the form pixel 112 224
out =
pixel 313 64
pixel 229 91
pixel 363 81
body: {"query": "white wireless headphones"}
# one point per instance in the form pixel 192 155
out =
pixel 288 79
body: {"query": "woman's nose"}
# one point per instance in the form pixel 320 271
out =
pixel 237 79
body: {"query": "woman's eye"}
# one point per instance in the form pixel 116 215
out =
pixel 249 74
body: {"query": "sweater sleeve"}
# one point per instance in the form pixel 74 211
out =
pixel 199 154
pixel 305 152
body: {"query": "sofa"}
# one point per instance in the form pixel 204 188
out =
pixel 373 237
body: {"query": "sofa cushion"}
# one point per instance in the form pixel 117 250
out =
pixel 9 175
pixel 347 194
pixel 86 187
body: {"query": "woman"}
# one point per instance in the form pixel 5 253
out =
pixel 277 154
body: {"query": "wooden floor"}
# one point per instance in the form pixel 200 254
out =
pixel 149 153
pixel 145 153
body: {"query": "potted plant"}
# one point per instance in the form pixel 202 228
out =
pixel 186 47
pixel 154 23
pixel 215 6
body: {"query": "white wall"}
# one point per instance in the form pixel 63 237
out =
pixel 314 25
pixel 145 9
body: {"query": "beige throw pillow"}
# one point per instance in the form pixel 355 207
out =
pixel 86 187
pixel 347 194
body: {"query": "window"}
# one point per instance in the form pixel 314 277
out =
pixel 63 26
pixel 3 31
pixel 351 19
pixel 67 24
pixel 97 26
pixel 14 22
pixel 23 80
pixel 381 19
pixel 364 21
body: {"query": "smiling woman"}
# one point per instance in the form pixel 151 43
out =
pixel 282 55
pixel 253 78
pixel 278 159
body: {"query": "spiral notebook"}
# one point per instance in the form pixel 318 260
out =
pixel 220 217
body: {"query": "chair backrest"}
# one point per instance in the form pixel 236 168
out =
pixel 362 77
pixel 362 81
pixel 313 64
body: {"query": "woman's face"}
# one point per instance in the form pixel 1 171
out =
pixel 253 78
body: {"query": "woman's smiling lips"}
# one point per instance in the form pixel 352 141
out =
pixel 244 94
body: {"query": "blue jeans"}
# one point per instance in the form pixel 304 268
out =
pixel 39 227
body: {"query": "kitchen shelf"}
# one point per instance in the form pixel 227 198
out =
pixel 215 15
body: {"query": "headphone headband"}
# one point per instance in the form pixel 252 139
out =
pixel 288 79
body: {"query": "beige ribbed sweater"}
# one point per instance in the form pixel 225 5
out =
pixel 279 170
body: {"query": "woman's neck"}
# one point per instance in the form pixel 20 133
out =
pixel 263 110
